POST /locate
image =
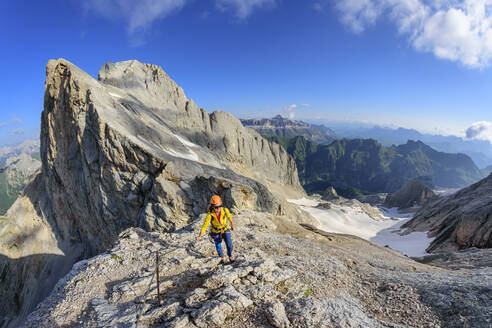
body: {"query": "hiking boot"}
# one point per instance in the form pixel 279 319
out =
pixel 231 260
pixel 222 261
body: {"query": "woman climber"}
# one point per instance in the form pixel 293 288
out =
pixel 221 230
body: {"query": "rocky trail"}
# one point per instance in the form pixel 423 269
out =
pixel 283 276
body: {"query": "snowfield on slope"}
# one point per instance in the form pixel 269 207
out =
pixel 354 221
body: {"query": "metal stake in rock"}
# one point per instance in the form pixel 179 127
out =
pixel 157 271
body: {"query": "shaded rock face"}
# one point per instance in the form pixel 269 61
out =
pixel 127 150
pixel 458 221
pixel 330 194
pixel 413 193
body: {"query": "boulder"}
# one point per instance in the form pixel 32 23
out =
pixel 413 193
pixel 276 315
pixel 330 194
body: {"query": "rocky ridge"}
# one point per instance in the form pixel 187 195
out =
pixel 126 150
pixel 458 221
pixel 283 276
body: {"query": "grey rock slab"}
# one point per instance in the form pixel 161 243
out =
pixel 160 314
pixel 108 315
pixel 180 322
pixel 196 298
pixel 223 276
pixel 261 293
pixel 136 286
pixel 276 315
pixel 234 298
pixel 342 311
pixel 211 314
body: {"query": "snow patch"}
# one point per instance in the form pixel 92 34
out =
pixel 353 221
pixel 115 95
pixel 304 202
pixel 186 142
pixel 413 244
pixel 192 156
pixel 445 191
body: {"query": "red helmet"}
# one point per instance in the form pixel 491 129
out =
pixel 216 201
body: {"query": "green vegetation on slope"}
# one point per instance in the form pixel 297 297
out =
pixel 355 166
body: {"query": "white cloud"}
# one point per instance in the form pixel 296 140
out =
pixel 3 124
pixel 305 105
pixel 18 121
pixel 16 132
pixel 289 111
pixel 138 15
pixel 243 8
pixel 454 30
pixel 480 130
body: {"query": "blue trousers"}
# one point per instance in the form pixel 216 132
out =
pixel 217 237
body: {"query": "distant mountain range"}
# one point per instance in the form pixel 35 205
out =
pixel 478 150
pixel 365 165
pixel 26 147
pixel 17 164
pixel 287 129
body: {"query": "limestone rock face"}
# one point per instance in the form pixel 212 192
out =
pixel 413 193
pixel 458 221
pixel 129 149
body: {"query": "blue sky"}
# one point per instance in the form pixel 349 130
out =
pixel 417 64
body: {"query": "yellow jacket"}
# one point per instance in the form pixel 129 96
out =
pixel 217 227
